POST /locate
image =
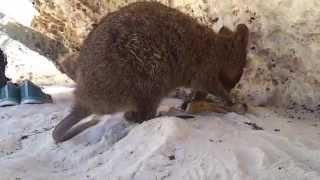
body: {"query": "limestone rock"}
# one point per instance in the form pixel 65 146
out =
pixel 27 53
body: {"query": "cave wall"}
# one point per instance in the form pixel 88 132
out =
pixel 284 52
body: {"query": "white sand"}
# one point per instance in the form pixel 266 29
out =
pixel 211 146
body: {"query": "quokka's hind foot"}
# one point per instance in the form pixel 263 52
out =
pixel 65 129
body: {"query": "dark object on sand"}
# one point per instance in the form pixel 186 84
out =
pixel 254 126
pixel 135 56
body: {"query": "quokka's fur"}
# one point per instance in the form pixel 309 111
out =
pixel 135 56
pixel 68 64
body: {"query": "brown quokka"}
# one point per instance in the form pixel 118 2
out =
pixel 135 56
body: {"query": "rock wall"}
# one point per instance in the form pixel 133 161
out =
pixel 29 53
pixel 284 53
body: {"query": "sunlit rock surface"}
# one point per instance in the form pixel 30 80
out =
pixel 30 54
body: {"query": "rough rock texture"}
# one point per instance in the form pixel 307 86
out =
pixel 283 68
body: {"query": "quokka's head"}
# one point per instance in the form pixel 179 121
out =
pixel 236 55
pixel 240 40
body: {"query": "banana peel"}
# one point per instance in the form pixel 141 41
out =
pixel 204 106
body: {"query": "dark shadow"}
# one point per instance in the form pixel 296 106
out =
pixel 34 40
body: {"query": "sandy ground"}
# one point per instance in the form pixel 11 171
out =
pixel 210 146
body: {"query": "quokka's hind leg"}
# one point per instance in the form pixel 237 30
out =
pixel 65 131
pixel 146 109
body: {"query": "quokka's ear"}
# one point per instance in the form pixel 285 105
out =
pixel 242 35
pixel 225 31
